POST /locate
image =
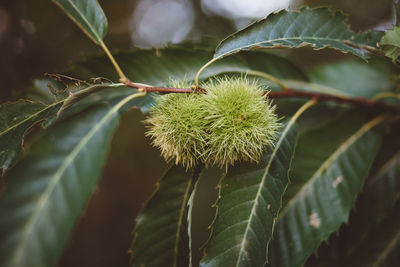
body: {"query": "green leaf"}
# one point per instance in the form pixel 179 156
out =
pixel 16 120
pixel 160 236
pixel 372 78
pixel 201 211
pixel 146 66
pixel 380 248
pixel 47 191
pixel 391 43
pixel 190 205
pixel 374 206
pixel 157 69
pixel 318 28
pixel 249 201
pixel 316 144
pixel 324 201
pixel 88 15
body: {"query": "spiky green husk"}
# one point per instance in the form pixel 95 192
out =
pixel 242 122
pixel 176 126
pixel 233 122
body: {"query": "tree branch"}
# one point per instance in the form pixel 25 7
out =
pixel 145 88
pixel 320 97
pixel 289 93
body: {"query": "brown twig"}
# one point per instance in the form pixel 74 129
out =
pixel 320 97
pixel 148 89
pixel 289 93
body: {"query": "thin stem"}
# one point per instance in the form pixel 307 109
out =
pixel 289 93
pixel 147 88
pixel 122 77
pixel 303 108
pixel 196 79
pixel 385 95
pixel 268 77
pixel 363 102
pixel 75 97
pixel 313 87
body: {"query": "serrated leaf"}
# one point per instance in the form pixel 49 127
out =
pixel 46 193
pixel 201 211
pixel 317 144
pixel 160 236
pixel 88 15
pixel 324 201
pixel 374 206
pixel 249 201
pixel 380 248
pixel 318 28
pixel 391 43
pixel 15 120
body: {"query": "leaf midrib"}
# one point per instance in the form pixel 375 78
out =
pixel 58 175
pixel 87 22
pixel 181 215
pixel 284 39
pixel 30 117
pixel 326 164
pixel 272 158
pixel 99 39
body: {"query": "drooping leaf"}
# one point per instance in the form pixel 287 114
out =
pixel 324 201
pixel 15 120
pixel 380 248
pixel 374 206
pixel 249 201
pixel 318 28
pixel 317 144
pixel 88 15
pixel 201 211
pixel 160 233
pixel 391 43
pixel 47 191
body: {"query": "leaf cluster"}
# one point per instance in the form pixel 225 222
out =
pixel 328 172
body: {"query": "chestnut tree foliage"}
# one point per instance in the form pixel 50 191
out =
pixel 331 174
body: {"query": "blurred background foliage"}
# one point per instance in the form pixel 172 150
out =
pixel 36 37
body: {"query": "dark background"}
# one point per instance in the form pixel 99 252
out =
pixel 36 37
